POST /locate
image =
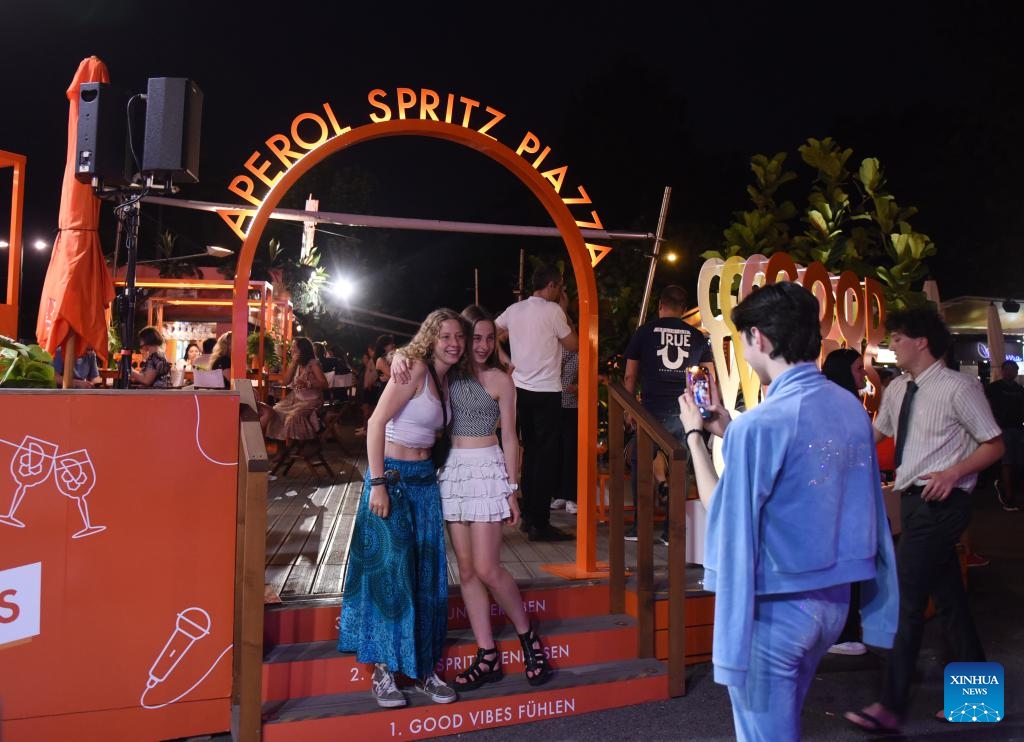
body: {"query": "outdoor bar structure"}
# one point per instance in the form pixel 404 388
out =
pixel 133 522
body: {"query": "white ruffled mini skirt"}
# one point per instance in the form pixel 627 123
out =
pixel 474 485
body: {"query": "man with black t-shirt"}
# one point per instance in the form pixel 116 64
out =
pixel 657 357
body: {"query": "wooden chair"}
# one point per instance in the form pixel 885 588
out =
pixel 309 451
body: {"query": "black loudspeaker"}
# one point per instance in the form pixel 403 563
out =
pixel 174 112
pixel 101 147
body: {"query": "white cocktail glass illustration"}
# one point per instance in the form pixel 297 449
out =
pixel 30 465
pixel 75 477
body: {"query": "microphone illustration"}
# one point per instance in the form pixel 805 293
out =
pixel 192 624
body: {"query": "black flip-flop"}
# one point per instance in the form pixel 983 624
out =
pixel 868 723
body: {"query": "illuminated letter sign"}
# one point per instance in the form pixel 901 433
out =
pixel 852 314
pixel 310 130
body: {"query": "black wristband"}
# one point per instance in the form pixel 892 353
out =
pixel 690 432
pixel 390 476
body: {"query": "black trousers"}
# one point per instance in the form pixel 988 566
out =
pixel 570 431
pixel 927 565
pixel 538 416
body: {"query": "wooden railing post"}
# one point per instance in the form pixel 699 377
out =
pixel 650 433
pixel 678 476
pixel 250 562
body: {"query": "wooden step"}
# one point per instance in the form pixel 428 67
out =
pixel 317 668
pixel 700 621
pixel 572 691
pixel 314 621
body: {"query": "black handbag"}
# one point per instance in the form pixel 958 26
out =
pixel 439 453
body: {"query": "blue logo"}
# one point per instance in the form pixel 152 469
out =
pixel 974 691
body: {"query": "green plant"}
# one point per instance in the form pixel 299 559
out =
pixel 174 268
pixel 25 366
pixel 113 345
pixel 271 358
pixel 851 221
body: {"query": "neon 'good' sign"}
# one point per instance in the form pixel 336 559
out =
pixel 311 129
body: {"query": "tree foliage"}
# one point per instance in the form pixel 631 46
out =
pixel 850 221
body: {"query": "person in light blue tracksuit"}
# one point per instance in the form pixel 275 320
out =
pixel 797 517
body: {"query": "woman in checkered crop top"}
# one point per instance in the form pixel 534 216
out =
pixel 479 484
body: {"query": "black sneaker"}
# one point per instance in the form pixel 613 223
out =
pixel 662 539
pixel 999 493
pixel 630 535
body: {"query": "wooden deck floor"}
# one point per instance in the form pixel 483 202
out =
pixel 310 519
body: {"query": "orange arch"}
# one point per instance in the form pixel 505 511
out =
pixel 578 255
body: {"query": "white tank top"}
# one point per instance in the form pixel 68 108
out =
pixel 416 424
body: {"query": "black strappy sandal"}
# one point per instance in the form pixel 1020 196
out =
pixel 534 659
pixel 486 668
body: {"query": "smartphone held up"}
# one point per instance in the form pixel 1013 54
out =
pixel 698 379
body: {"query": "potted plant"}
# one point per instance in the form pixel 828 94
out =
pixel 271 359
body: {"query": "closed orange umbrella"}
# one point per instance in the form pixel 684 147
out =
pixel 77 289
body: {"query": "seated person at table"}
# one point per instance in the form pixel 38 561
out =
pixel 323 354
pixel 155 370
pixel 202 361
pixel 86 372
pixel 221 357
pixel 294 417
pixel 187 361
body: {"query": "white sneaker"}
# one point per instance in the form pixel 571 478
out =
pixel 436 690
pixel 557 504
pixel 385 691
pixel 571 507
pixel 853 649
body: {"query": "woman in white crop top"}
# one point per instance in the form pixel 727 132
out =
pixel 394 608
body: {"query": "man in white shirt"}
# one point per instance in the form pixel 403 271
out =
pixel 537 330
pixel 945 434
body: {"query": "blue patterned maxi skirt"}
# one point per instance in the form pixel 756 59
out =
pixel 394 608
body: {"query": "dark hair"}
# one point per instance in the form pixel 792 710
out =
pixel 150 336
pixel 208 345
pixel 191 344
pixel 674 297
pixel 787 314
pixel 837 368
pixel 305 346
pixel 320 349
pixel 473 314
pixel 380 347
pixel 1010 364
pixel 544 274
pixel 921 322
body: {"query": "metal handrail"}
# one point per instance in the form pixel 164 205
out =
pixel 649 432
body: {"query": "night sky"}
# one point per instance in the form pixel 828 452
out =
pixel 632 96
